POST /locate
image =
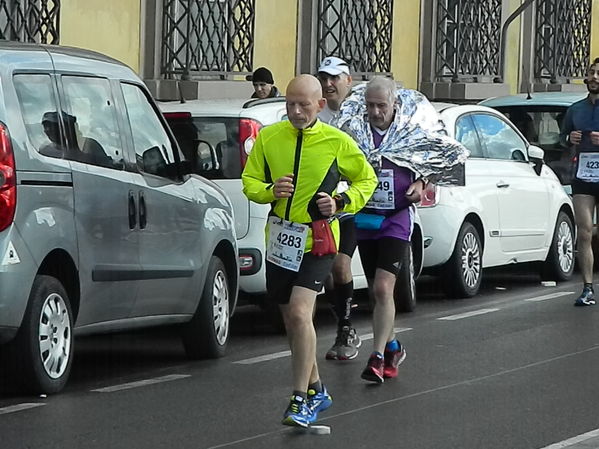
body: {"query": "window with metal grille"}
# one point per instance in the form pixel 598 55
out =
pixel 563 39
pixel 357 31
pixel 207 36
pixel 468 39
pixel 30 21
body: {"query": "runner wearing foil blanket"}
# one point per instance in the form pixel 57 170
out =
pixel 399 131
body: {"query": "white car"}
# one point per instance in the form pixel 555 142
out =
pixel 512 208
pixel 230 127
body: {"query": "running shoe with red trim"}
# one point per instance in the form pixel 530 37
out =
pixel 374 369
pixel 392 360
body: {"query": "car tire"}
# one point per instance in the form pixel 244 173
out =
pixel 462 274
pixel 405 284
pixel 207 334
pixel 559 264
pixel 42 352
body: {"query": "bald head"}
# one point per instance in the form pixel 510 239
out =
pixel 304 100
pixel 305 85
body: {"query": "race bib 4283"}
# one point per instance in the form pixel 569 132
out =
pixel 286 243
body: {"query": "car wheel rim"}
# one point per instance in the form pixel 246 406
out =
pixel 55 336
pixel 470 260
pixel 412 277
pixel 220 307
pixel 565 247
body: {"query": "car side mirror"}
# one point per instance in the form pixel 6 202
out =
pixel 536 155
pixel 153 161
pixel 535 152
pixel 155 164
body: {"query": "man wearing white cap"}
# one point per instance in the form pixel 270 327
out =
pixel 335 79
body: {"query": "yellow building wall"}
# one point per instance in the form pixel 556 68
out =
pixel 512 73
pixel 111 27
pixel 275 39
pixel 405 49
pixel 595 30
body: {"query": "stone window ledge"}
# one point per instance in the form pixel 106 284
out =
pixel 166 90
pixel 463 91
pixel 558 87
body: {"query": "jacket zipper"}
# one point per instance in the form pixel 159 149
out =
pixel 296 162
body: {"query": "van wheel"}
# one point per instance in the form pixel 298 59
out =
pixel 462 274
pixel 405 285
pixel 207 334
pixel 43 347
pixel 559 264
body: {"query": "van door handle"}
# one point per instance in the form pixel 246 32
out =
pixel 502 185
pixel 132 211
pixel 143 216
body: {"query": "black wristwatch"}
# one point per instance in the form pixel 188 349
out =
pixel 339 202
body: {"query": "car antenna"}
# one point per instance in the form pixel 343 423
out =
pixel 181 97
pixel 525 73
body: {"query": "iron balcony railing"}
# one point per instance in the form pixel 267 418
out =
pixel 563 39
pixel 359 32
pixel 468 39
pixel 30 21
pixel 207 37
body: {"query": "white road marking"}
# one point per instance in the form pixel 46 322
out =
pixel 399 399
pixel 281 354
pixel 19 407
pixel 549 296
pixel 141 383
pixel 459 316
pixel 264 358
pixel 370 335
pixel 574 440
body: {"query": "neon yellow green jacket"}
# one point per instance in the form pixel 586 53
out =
pixel 318 157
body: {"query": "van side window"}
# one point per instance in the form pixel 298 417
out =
pixel 91 126
pixel 38 105
pixel 153 148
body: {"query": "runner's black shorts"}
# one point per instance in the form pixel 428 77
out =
pixel 312 273
pixel 585 188
pixel 387 253
pixel 347 232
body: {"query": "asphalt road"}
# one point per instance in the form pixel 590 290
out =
pixel 515 367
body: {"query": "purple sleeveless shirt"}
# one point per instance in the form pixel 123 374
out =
pixel 399 222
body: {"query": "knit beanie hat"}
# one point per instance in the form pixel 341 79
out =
pixel 262 75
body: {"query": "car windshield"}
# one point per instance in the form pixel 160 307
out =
pixel 220 159
pixel 541 126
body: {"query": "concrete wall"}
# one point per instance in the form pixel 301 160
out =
pixel 111 27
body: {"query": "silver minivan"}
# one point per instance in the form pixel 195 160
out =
pixel 102 226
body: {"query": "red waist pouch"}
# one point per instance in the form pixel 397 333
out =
pixel 323 242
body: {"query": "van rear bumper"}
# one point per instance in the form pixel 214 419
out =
pixel 7 333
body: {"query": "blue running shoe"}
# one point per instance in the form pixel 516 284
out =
pixel 586 298
pixel 319 401
pixel 298 414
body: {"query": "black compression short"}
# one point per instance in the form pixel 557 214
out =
pixel 312 274
pixel 386 253
pixel 585 188
pixel 347 232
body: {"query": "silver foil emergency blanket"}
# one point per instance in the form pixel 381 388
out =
pixel 416 139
